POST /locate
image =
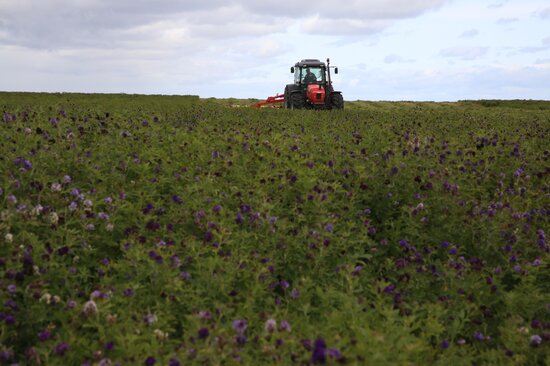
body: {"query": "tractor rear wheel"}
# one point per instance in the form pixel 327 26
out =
pixel 296 101
pixel 337 101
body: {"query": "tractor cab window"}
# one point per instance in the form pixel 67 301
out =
pixel 312 75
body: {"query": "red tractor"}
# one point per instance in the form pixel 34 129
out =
pixel 312 88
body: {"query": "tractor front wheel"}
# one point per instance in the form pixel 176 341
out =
pixel 296 101
pixel 337 101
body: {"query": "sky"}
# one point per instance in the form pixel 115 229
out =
pixel 439 50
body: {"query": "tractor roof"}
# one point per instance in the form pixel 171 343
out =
pixel 310 63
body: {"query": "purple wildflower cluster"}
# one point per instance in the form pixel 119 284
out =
pixel 167 234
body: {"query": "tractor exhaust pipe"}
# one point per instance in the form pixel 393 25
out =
pixel 328 71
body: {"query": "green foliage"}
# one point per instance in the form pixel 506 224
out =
pixel 136 227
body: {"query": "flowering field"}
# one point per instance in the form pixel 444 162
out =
pixel 148 230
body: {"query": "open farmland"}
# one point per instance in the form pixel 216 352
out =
pixel 155 230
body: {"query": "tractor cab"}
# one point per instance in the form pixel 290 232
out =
pixel 309 75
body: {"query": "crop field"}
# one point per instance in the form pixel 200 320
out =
pixel 158 230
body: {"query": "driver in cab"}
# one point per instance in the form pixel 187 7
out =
pixel 310 77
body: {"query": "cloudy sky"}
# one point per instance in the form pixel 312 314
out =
pixel 385 49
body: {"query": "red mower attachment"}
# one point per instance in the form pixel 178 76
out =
pixel 279 98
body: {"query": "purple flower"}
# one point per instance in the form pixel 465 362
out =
pixel 9 320
pixel 12 289
pixel 295 293
pixel 174 362
pixel 148 208
pixel 518 172
pixel 203 333
pixel 60 349
pixel 9 117
pixel 129 292
pixel 241 340
pixel 444 344
pixel 329 227
pixel 285 326
pixel 357 271
pixel 12 199
pixel 240 326
pixel 149 319
pixel 389 289
pixel 334 353
pixel 270 325
pixel 5 356
pixel 319 355
pixel 53 121
pixel 150 361
pixel 535 340
pixel 44 335
pixel 479 336
pixel 307 344
pixel 535 324
pixel 152 225
pixel 109 345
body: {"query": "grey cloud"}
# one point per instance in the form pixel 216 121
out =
pixel 469 33
pixel 58 24
pixel 319 25
pixel 545 14
pixel 545 46
pixel 393 58
pixel 464 53
pixel 507 21
pixel 530 50
pixel 353 9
